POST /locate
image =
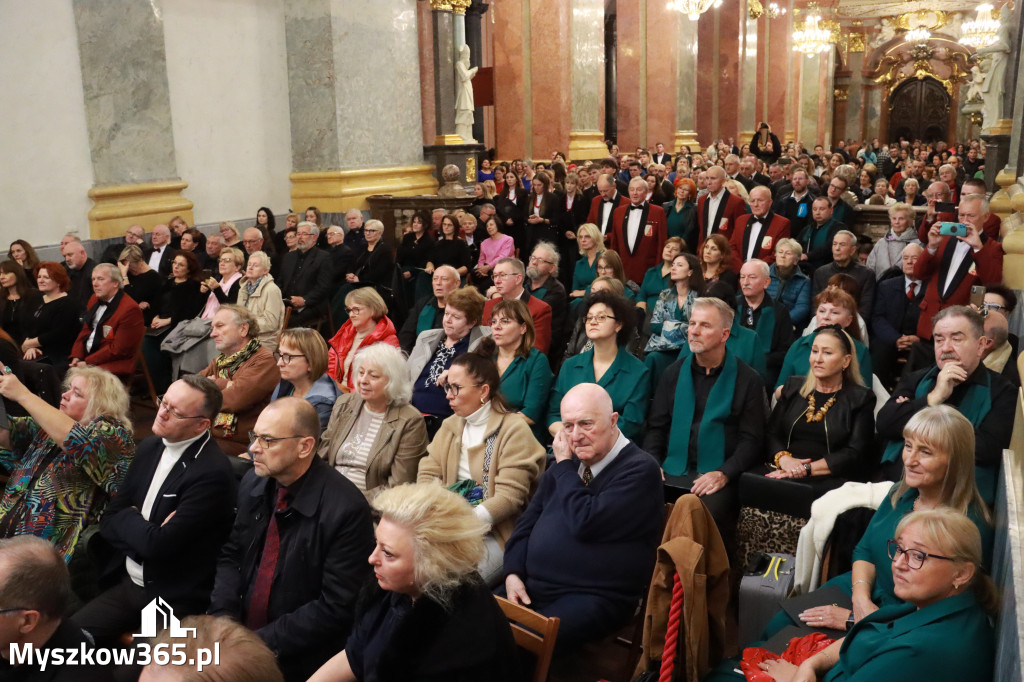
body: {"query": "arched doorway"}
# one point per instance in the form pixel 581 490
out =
pixel 919 109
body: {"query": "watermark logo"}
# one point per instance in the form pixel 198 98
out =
pixel 158 616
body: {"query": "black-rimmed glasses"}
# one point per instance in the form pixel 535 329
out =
pixel 454 388
pixel 266 442
pixel 915 557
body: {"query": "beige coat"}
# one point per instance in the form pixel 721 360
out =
pixel 396 452
pixel 267 306
pixel 516 464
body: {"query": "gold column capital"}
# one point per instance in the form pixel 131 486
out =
pixel 459 6
pixel 441 5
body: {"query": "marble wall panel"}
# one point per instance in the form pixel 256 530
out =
pixel 707 80
pixel 807 121
pixel 124 80
pixel 749 46
pixel 551 77
pixel 311 76
pixel 731 17
pixel 426 48
pixel 686 84
pixel 826 100
pixel 854 103
pixel 586 59
pixel 512 84
pixel 662 68
pixel 781 60
pixel 629 76
pixel 377 83
pixel 872 112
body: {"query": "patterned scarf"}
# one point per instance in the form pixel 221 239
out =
pixel 227 365
pixel 250 286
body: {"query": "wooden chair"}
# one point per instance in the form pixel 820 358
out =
pixel 533 632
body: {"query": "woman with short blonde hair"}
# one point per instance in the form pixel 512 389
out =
pixel 368 323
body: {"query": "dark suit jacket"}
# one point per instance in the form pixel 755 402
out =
pixel 664 158
pixel 308 275
pixel 81 283
pixel 730 209
pixel 645 252
pixel 547 231
pixel 117 339
pixel 594 216
pixel 541 313
pixel 166 259
pixel 326 535
pixel 894 315
pixel 179 557
pixel 778 228
pixel 983 267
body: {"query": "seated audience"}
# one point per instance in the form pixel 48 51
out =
pixel 912 193
pixel 230 234
pixel 959 379
pixel 135 235
pixel 844 261
pixel 244 371
pixel 894 321
pixel 296 557
pixel 485 452
pixel 428 601
pixel 819 235
pixel 716 260
pixel 492 250
pixel 584 549
pixel 180 299
pixel 707 420
pixel 436 348
pixel 609 264
pixel 161 254
pixel 887 251
pixel 729 207
pixel 656 280
pixel 610 323
pixel 794 204
pixel 428 311
pixel 416 256
pixel 789 285
pixel 306 278
pixel 343 258
pixel 375 438
pixel 261 296
pixel 591 245
pixel 757 232
pixel 301 357
pixel 578 340
pixel 833 307
pixel 22 253
pixel 231 267
pixel 162 533
pixel 509 285
pixel 526 376
pixel 65 464
pixel 542 282
pixel 820 431
pixel 35 595
pixel 880 194
pixel 79 267
pixel 243 656
pixel 52 330
pixel 671 315
pixel 19 301
pixel 141 282
pixel 758 312
pixel 450 248
pixel 999 352
pixel 113 327
pixel 368 323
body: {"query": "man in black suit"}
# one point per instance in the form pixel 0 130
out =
pixel 661 156
pixel 79 267
pixel 133 236
pixel 894 320
pixel 165 526
pixel 343 258
pixel 732 169
pixel 605 203
pixel 306 277
pixel 296 557
pixel 161 256
pixel 747 170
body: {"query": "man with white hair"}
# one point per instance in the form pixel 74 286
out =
pixel 306 277
pixel 718 210
pixel 542 282
pixel 605 203
pixel 844 261
pixel 161 256
pixel 999 353
pixel 758 232
pixel 428 313
pixel 757 311
pixel 584 548
pixel 113 326
pixel 638 232
pixel 354 238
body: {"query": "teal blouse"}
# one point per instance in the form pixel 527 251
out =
pixel 798 360
pixel 627 381
pixel 652 286
pixel 583 274
pixel 526 385
pixel 680 223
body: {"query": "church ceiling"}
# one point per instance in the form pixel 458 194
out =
pixel 868 9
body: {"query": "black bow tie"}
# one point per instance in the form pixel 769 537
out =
pixel 634 207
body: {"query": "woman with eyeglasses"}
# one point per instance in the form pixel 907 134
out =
pixel 262 297
pixel 485 452
pixel 368 323
pixel 301 357
pixel 526 375
pixel 941 632
pixel 229 231
pixel 610 320
pixel 375 265
pixel 888 251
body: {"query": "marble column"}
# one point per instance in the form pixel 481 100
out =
pixel 748 76
pixel 128 116
pixel 686 86
pixel 348 63
pixel 444 71
pixel 586 51
pixel 816 99
pixel 855 90
pixel 631 72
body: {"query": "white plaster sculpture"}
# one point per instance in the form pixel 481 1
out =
pixel 994 84
pixel 464 96
pixel 974 89
pixel 886 32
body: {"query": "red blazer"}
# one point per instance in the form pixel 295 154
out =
pixel 778 229
pixel 539 311
pixel 983 267
pixel 730 209
pixel 594 216
pixel 991 227
pixel 121 332
pixel 646 252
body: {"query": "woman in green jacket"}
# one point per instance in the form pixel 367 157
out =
pixel 656 280
pixel 526 376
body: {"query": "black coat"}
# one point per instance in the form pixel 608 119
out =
pixel 326 536
pixel 166 259
pixel 307 274
pixel 179 558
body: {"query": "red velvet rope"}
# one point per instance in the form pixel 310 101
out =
pixel 675 614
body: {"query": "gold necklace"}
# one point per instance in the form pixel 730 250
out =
pixel 817 416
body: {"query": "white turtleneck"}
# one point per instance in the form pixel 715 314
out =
pixel 472 435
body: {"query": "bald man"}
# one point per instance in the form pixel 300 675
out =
pixel 999 354
pixel 79 267
pixel 757 233
pixel 585 547
pixel 718 210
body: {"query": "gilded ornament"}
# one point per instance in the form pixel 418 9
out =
pixel 441 5
pixel 855 42
pixel 755 9
pixel 470 169
pixel 460 6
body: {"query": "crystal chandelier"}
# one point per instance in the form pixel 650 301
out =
pixel 981 32
pixel 774 11
pixel 815 35
pixel 693 8
pixel 918 35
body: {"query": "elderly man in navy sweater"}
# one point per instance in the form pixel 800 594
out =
pixel 585 547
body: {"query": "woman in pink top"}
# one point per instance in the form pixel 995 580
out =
pixel 492 249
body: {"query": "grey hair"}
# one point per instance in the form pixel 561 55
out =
pixel 724 311
pixel 766 270
pixel 791 244
pixel 115 272
pixel 550 248
pixel 391 362
pixel 846 233
pixel 262 257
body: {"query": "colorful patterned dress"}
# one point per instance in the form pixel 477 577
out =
pixel 56 493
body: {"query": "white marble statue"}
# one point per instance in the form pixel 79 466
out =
pixel 994 85
pixel 886 32
pixel 974 89
pixel 464 96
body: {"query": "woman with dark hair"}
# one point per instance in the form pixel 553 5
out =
pixel 716 261
pixel 610 321
pixel 180 299
pixel 542 217
pixel 681 212
pixel 671 316
pixel 22 253
pixel 484 451
pixel 512 205
pixel 52 330
pixel 656 280
pixel 451 249
pixel 416 257
pixel 526 376
pixel 267 224
pixel 492 250
pixel 19 300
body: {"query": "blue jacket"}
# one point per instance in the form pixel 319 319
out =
pixel 322 395
pixel 795 295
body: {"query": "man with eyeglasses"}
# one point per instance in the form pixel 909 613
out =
pixel 296 557
pixel 306 279
pixel 244 371
pixel 543 283
pixel 428 313
pixel 133 236
pixel 844 260
pixel 509 275
pixel 35 592
pixel 584 548
pixel 163 531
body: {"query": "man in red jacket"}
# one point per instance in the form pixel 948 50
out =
pixel 509 275
pixel 638 232
pixel 955 264
pixel 113 326
pixel 604 204
pixel 718 210
pixel 757 233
